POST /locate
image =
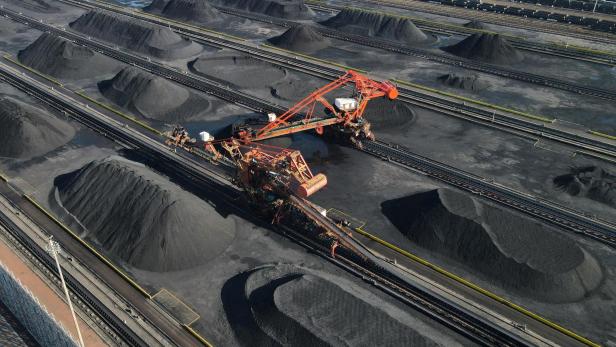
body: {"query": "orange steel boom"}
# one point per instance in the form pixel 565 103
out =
pixel 365 89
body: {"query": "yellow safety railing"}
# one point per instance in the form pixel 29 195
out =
pixel 478 289
pixel 89 247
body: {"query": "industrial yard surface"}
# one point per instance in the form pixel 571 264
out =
pixel 205 189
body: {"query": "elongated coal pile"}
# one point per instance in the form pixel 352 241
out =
pixel 61 58
pixel 490 48
pixel 140 36
pixel 301 38
pixel 142 218
pixel 510 249
pixel 200 11
pixel 375 24
pixel 28 131
pixel 289 9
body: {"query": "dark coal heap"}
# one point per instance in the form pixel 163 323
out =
pixel 376 25
pixel 157 41
pixel 151 96
pixel 475 24
pixel 289 9
pixel 292 306
pixel 490 48
pixel 471 83
pixel 28 131
pixel 59 57
pixel 301 38
pixel 519 253
pixel 188 10
pixel 384 114
pixel 142 218
pixel 591 182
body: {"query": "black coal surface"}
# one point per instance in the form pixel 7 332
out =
pixel 591 182
pixel 385 114
pixel 142 218
pixel 301 38
pixel 475 24
pixel 136 35
pixel 289 9
pixel 188 10
pixel 240 70
pixel 293 306
pixel 152 97
pixel 376 24
pixel 59 57
pixel 471 82
pixel 35 5
pixel 519 253
pixel 28 131
pixel 491 48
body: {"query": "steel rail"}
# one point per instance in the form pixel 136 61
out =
pixel 488 118
pixel 457 317
pixel 597 229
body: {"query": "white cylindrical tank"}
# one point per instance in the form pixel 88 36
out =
pixel 205 136
pixel 271 117
pixel 345 104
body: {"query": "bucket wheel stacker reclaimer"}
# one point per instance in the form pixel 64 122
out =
pixel 269 173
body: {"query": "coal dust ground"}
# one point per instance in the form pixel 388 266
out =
pixel 248 278
pixel 166 250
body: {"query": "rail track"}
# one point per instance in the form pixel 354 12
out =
pixel 498 19
pixel 518 42
pixel 118 327
pixel 445 312
pixel 482 116
pixel 373 270
pixel 541 209
pixel 395 48
pixel 436 57
pixel 559 215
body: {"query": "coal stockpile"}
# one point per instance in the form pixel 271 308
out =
pixel 471 83
pixel 294 306
pixel 242 71
pixel 153 97
pixel 490 48
pixel 61 58
pixel 519 253
pixel 386 114
pixel 142 218
pixel 28 131
pixel 475 24
pixel 289 9
pixel 301 38
pixel 140 36
pixel 188 10
pixel 376 25
pixel 591 182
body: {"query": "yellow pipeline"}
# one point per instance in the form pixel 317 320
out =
pixel 479 289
